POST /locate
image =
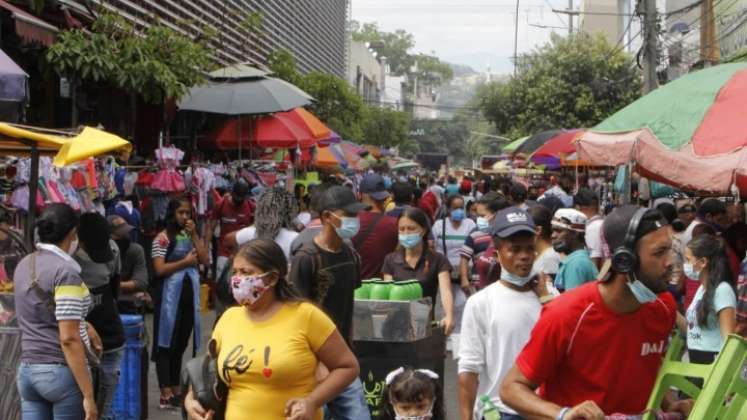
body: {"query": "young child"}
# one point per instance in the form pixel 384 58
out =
pixel 412 394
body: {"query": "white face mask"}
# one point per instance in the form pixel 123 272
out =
pixel 426 416
pixel 73 246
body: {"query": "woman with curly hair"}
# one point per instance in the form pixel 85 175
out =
pixel 273 220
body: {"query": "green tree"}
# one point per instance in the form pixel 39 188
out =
pixel 336 103
pixel 567 83
pixel 395 46
pixel 386 127
pixel 283 65
pixel 431 70
pixel 156 64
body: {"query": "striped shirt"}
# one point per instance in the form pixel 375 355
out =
pixel 59 281
pixel 444 233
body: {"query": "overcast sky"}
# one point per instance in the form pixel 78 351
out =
pixel 474 32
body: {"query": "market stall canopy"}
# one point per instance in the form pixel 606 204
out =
pixel 71 146
pixel 333 138
pixel 556 149
pixel 535 141
pixel 245 97
pixel 89 143
pixel 689 133
pixel 330 157
pixel 511 147
pixel 30 27
pixel 302 117
pixel 404 165
pixel 237 71
pixel 275 131
pixel 12 80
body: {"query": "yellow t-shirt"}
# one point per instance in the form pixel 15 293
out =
pixel 267 363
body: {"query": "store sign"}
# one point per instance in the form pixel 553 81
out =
pixel 731 30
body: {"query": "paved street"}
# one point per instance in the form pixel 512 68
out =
pixel 154 413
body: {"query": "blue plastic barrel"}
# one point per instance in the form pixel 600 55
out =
pixel 126 404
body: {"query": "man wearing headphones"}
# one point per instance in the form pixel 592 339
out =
pixel 597 349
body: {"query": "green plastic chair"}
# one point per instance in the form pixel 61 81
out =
pixel 724 393
pixel 675 373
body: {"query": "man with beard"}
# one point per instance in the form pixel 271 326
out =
pixel 598 348
pixel 576 266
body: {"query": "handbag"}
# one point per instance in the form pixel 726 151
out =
pixel 47 298
pixel 201 373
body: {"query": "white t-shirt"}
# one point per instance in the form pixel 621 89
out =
pixel 547 262
pixel 454 240
pixel 284 239
pixel 496 325
pixel 304 217
pixel 594 237
pixel 687 235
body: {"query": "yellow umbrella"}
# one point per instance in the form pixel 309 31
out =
pixel 90 142
pixel 42 139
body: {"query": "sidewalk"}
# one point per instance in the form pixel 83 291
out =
pixel 154 413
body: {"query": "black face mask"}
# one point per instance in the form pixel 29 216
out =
pixel 123 245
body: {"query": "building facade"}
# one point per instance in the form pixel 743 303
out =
pixel 605 16
pixel 366 72
pixel 315 31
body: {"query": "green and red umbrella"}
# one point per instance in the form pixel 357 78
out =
pixel 689 133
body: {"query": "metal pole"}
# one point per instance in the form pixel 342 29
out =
pixel 238 133
pixel 516 38
pixel 652 37
pixel 33 186
pixel 570 17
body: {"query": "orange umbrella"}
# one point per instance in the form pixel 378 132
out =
pixel 300 116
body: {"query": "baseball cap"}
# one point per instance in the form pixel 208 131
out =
pixel 374 185
pixel 615 226
pixel 339 198
pixel 511 221
pixel 118 225
pixel 570 219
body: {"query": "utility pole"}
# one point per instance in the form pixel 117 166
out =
pixel 651 59
pixel 570 17
pixel 516 39
pixel 710 53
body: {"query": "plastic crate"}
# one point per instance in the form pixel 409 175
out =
pixel 126 404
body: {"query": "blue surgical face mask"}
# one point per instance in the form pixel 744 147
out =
pixel 410 240
pixel 690 272
pixel 457 215
pixel 642 293
pixel 348 228
pixel 483 224
pixel 512 278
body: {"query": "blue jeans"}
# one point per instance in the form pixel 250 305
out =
pixel 49 392
pixel 349 405
pixel 110 372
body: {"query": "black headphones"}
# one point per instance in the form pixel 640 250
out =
pixel 624 259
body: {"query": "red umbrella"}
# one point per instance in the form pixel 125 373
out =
pixel 557 148
pixel 269 131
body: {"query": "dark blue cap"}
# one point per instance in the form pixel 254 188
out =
pixel 511 221
pixel 373 185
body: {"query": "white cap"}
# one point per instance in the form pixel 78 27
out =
pixel 570 219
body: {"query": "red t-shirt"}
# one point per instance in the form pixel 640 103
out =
pixel 377 245
pixel 580 350
pixel 231 219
